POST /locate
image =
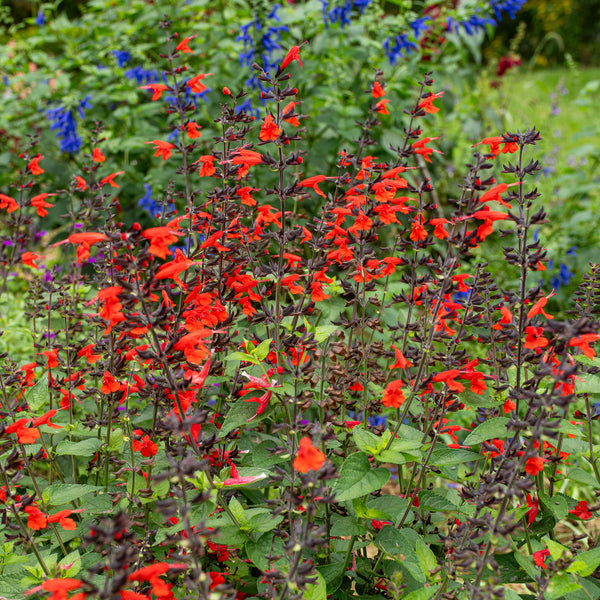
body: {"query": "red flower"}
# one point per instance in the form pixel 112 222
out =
pixel 159 238
pixel 538 308
pixel 539 558
pixel 85 241
pixel 308 457
pixel 288 108
pixel 193 130
pixel 97 155
pixel 62 518
pixel 269 131
pixel 533 510
pixel 582 342
pixel 36 519
pixel 378 91
pixel 183 45
pixel 111 307
pixel 534 465
pixel 244 194
pixel 582 511
pixel 207 169
pixel 195 83
pixel 110 179
pixel 39 202
pixel 34 166
pixel 393 396
pixel 493 194
pixel 401 362
pixel 381 107
pixel 25 434
pixel 109 384
pixel 27 259
pixel 427 103
pixel 145 446
pixel 87 351
pixel 51 358
pixel 157 89
pixel 162 148
pixel 292 55
pixel 9 203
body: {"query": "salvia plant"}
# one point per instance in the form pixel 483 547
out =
pixel 251 400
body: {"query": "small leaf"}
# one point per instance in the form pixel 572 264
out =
pixel 368 442
pixel 557 505
pixel 316 591
pixel 433 501
pixel 583 477
pixel 443 457
pixel 237 510
pixel 324 331
pixel 493 428
pixel 243 357
pixel 239 414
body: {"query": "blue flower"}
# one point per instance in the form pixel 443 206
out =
pixel 512 7
pixel 342 14
pixel 396 47
pixel 41 18
pixel 142 76
pixel 122 56
pixel 63 121
pixel 419 26
pixel 147 203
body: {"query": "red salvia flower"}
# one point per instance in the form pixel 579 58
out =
pixel 292 55
pixel 582 511
pixel 195 83
pixel 110 179
pixel 163 149
pixel 8 203
pixel 308 457
pixel 393 396
pixel 183 45
pixel 28 258
pixel 36 519
pixel 157 89
pixel 377 91
pixel 39 202
pixel 540 557
pixel 427 103
pixel 269 131
pixel 34 165
pixel 97 155
pixel 534 465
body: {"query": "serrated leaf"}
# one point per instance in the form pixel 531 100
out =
pixel 433 501
pixel 590 560
pixel 324 331
pixel 38 396
pixel 261 351
pixel 347 526
pixel 266 545
pixel 84 448
pixel 493 428
pixel 583 477
pixel 557 505
pixel 443 457
pixel 368 442
pixel 422 594
pixel 316 591
pixel 556 549
pixel 400 545
pixel 243 357
pixel 239 414
pixel 426 557
pixel 62 493
pixel 589 385
pixel 357 478
pixel 237 510
pixel 263 522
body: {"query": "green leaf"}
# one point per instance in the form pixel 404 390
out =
pixel 264 521
pixel 324 331
pixel 494 428
pixel 443 457
pixel 585 563
pixel 433 501
pixel 557 505
pixel 559 586
pixel 261 351
pixel 392 506
pixel 84 448
pixel 426 557
pixel 239 414
pixel 357 478
pixel 422 594
pixel 62 493
pixel 556 549
pixel 237 510
pixel 265 545
pixel 243 357
pixel 316 591
pixel 37 396
pixel 400 545
pixel 348 526
pixel 583 477
pixel 368 442
pixel 590 384
pixel 568 428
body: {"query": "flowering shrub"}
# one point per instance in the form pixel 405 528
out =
pixel 213 406
pixel 60 75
